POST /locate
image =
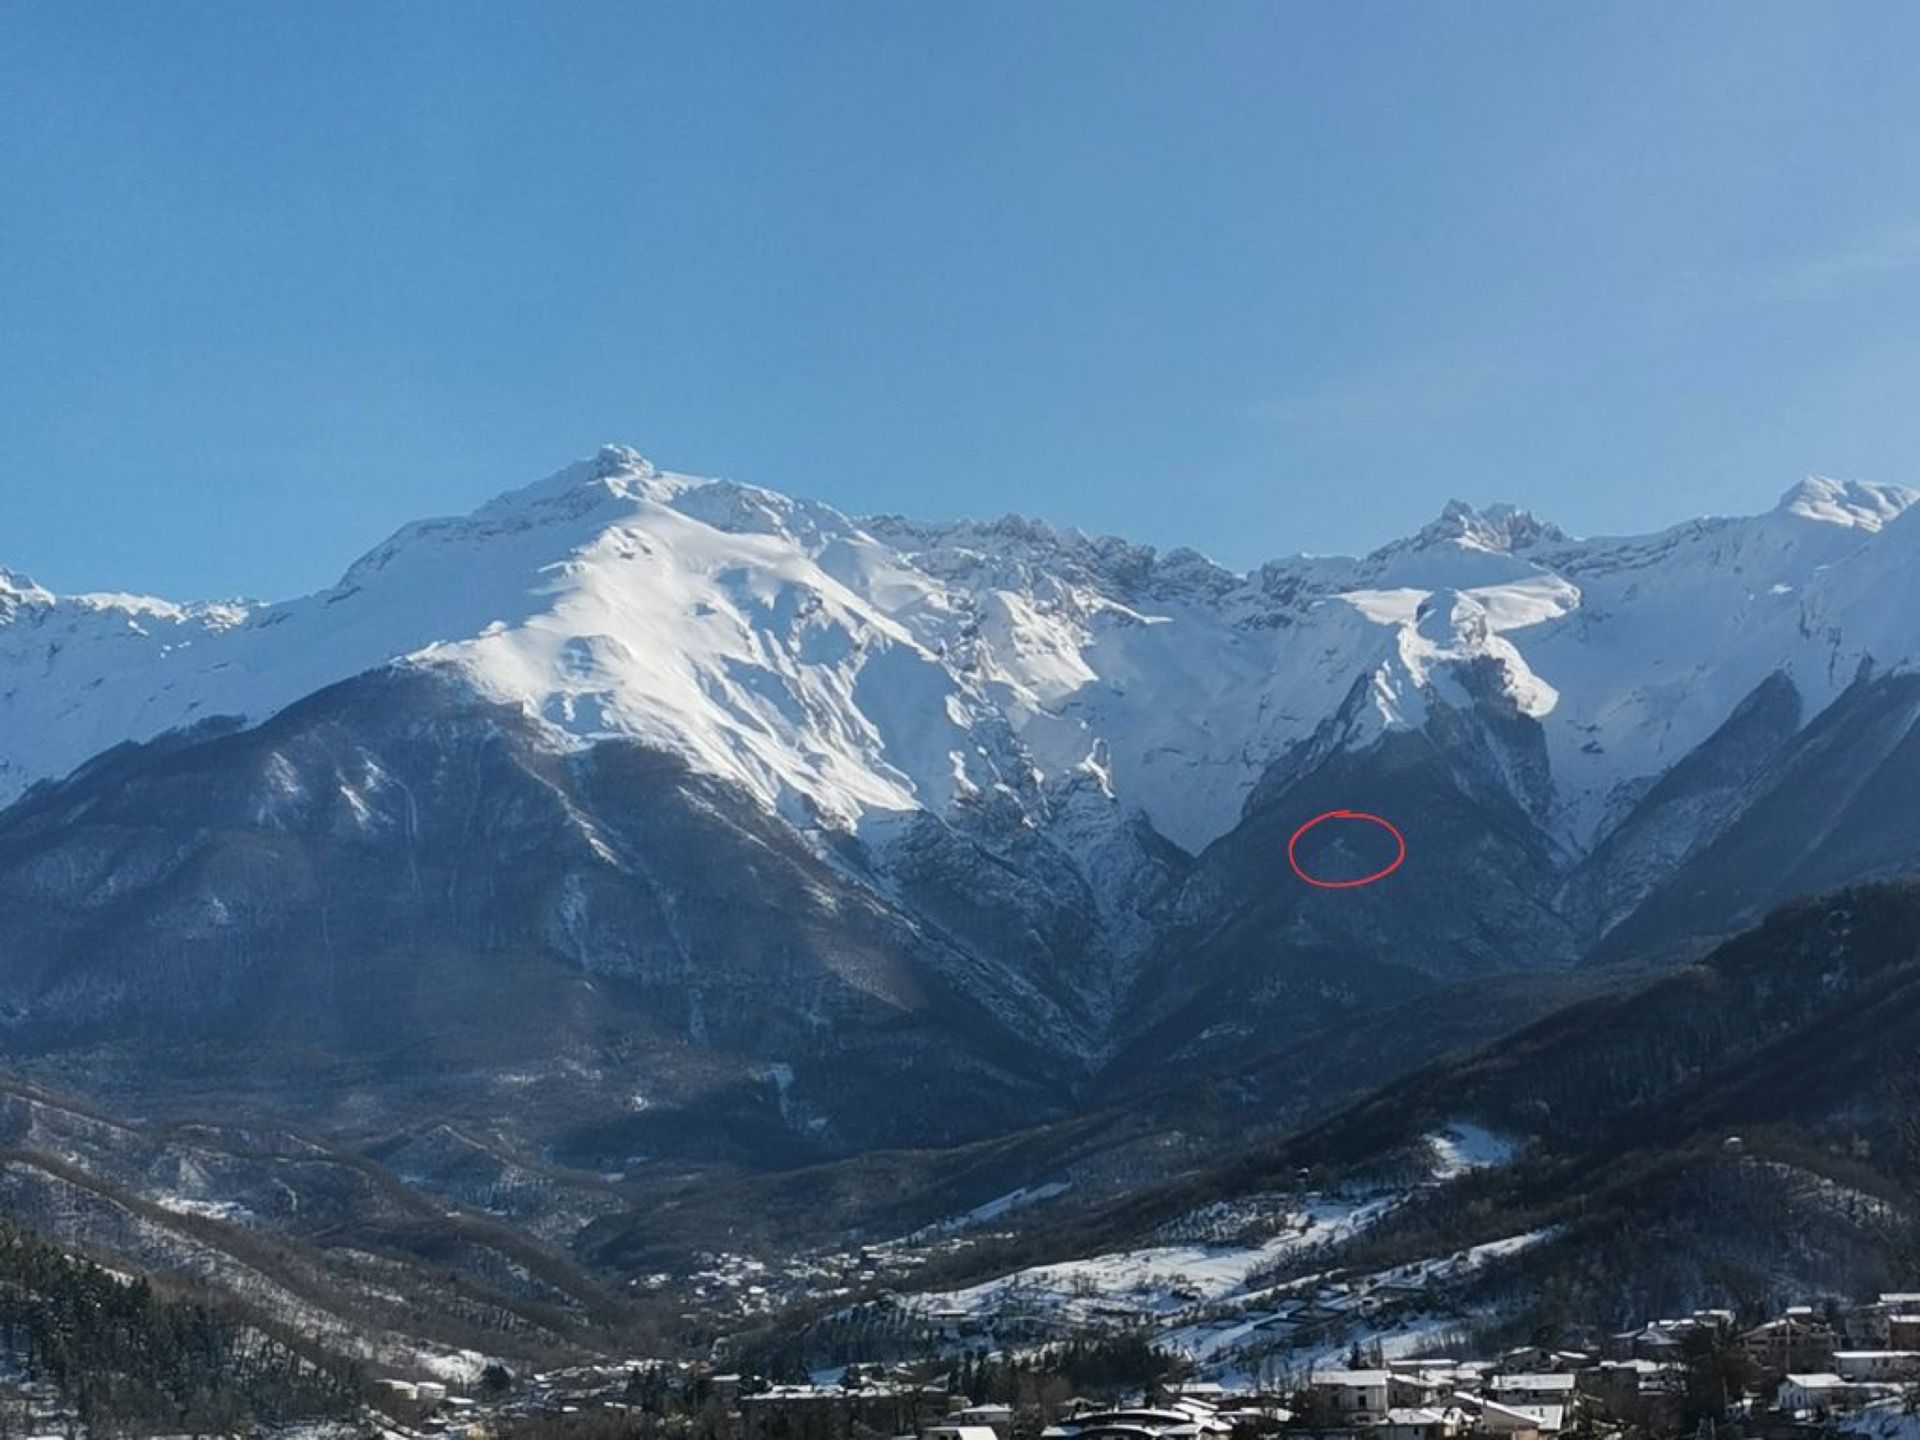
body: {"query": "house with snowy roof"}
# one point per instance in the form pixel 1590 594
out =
pixel 1352 1395
pixel 1497 1418
pixel 1423 1422
pixel 1872 1325
pixel 1545 1387
pixel 1512 1422
pixel 1892 1366
pixel 1827 1394
pixel 958 1432
pixel 1416 1386
pixel 1142 1423
pixel 1798 1341
pixel 997 1418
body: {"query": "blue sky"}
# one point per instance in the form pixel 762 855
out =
pixel 1256 278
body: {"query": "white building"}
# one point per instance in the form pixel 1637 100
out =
pixel 1140 1424
pixel 1828 1393
pixel 957 1432
pixel 997 1418
pixel 1354 1395
pixel 1420 1422
pixel 1540 1388
pixel 1886 1365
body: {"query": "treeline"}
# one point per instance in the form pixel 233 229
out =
pixel 1098 1366
pixel 875 1330
pixel 661 1404
pixel 129 1362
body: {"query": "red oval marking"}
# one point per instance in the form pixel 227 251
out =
pixel 1381 874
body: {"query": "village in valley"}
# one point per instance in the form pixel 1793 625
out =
pixel 1831 1368
pixel 1256 1317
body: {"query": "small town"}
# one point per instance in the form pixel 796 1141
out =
pixel 1820 1369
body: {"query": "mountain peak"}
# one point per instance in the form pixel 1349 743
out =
pixel 1499 527
pixel 18 592
pixel 611 460
pixel 1468 534
pixel 14 583
pixel 611 469
pixel 1856 504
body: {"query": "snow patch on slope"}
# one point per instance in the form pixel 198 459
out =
pixel 1159 1279
pixel 1463 1146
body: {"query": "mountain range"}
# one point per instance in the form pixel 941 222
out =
pixel 686 795
pixel 637 821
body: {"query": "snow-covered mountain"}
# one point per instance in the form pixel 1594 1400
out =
pixel 1014 802
pixel 842 671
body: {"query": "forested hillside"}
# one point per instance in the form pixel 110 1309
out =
pixel 125 1360
pixel 1743 1131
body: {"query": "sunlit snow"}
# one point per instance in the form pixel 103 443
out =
pixel 844 672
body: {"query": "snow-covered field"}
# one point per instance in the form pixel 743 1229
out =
pixel 1222 1303
pixel 1464 1146
pixel 996 1209
pixel 1211 1304
pixel 1158 1281
pixel 1354 1304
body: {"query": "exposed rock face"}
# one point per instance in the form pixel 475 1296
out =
pixel 676 816
pixel 394 881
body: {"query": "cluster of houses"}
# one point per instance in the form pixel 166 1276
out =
pixel 1429 1399
pixel 1843 1361
pixel 1193 1412
pixel 1803 1366
pixel 874 1406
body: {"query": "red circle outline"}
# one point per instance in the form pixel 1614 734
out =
pixel 1382 874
